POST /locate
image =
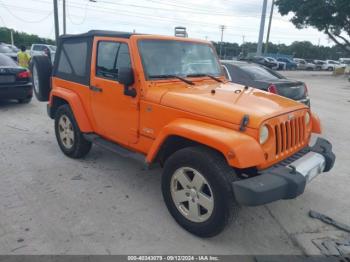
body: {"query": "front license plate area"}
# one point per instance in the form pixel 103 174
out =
pixel 310 165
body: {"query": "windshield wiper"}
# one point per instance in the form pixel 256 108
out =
pixel 173 76
pixel 208 75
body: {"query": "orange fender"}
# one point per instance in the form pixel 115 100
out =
pixel 77 107
pixel 239 149
pixel 316 124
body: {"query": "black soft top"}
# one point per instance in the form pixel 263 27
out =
pixel 92 33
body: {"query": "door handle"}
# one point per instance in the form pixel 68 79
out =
pixel 96 89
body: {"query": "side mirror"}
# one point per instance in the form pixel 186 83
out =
pixel 126 77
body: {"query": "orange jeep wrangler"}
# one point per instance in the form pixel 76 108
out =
pixel 221 144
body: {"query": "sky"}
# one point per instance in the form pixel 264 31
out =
pixel 202 18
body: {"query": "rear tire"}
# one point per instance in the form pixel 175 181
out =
pixel 204 217
pixel 69 137
pixel 41 69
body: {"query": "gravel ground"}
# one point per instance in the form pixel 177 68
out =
pixel 106 204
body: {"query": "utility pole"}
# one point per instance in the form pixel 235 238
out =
pixel 64 17
pixel 222 28
pixel 12 42
pixel 269 28
pixel 262 26
pixel 55 11
pixel 243 41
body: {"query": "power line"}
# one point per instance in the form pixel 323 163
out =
pixel 84 17
pixel 23 20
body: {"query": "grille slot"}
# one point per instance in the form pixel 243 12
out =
pixel 289 135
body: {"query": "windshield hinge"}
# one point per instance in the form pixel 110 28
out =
pixel 244 123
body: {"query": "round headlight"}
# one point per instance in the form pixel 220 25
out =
pixel 264 134
pixel 307 118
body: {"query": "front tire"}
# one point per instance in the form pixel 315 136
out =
pixel 69 137
pixel 197 190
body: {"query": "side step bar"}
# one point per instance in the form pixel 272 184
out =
pixel 97 140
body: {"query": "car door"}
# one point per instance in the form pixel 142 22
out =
pixel 115 114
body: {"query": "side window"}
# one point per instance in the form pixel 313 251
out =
pixel 110 57
pixel 106 59
pixel 123 56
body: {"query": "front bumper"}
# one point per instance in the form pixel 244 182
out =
pixel 288 179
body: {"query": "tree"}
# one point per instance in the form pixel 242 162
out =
pixel 21 38
pixel 329 16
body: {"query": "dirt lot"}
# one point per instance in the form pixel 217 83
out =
pixel 106 204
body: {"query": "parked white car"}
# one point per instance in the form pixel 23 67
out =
pixel 39 49
pixel 303 65
pixel 330 65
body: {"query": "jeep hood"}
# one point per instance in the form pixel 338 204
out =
pixel 228 102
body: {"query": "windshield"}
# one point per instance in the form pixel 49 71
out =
pixel 179 58
pixel 5 49
pixel 259 73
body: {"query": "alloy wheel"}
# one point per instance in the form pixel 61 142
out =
pixel 192 194
pixel 66 132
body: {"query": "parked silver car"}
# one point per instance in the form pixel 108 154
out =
pixel 302 64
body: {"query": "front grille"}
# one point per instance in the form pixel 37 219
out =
pixel 289 135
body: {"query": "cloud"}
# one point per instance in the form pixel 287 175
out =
pixel 201 17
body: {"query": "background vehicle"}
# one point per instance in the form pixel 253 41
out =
pixel 166 99
pixel 15 82
pixel 263 78
pixel 39 49
pixel 14 48
pixel 290 65
pixel 345 61
pixel 6 50
pixel 280 65
pixel 264 61
pixel 319 64
pixel 331 65
pixel 303 65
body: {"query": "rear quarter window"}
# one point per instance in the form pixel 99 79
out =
pixel 72 61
